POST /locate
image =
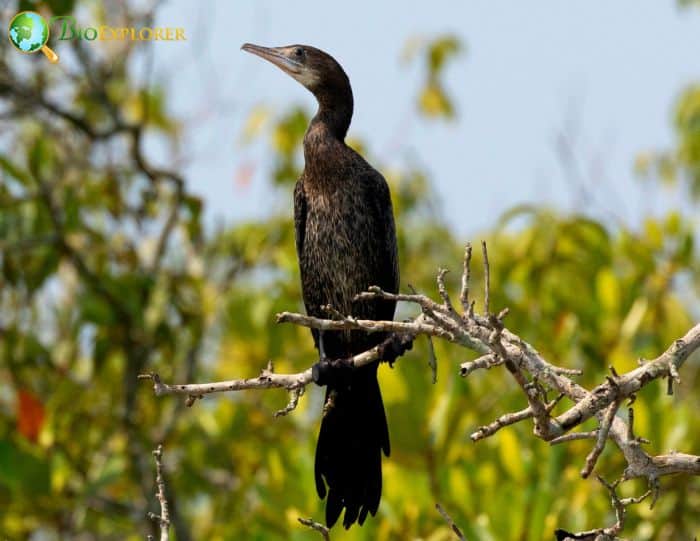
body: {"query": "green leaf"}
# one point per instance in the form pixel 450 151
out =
pixel 22 472
pixel 15 172
pixel 94 309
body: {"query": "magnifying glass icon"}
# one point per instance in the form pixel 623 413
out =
pixel 29 33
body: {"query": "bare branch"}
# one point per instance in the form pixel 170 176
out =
pixel 163 519
pixel 442 290
pixel 536 377
pixel 575 436
pixel 487 277
pixel 503 420
pixel 294 396
pixel 509 419
pixel 266 380
pixel 485 361
pixel 369 325
pixel 466 278
pixel 432 360
pixel 631 382
pixel 450 522
pixel 601 439
pixel 320 528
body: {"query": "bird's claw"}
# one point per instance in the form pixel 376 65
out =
pixel 394 347
pixel 335 373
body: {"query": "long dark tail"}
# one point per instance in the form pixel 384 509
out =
pixel 353 434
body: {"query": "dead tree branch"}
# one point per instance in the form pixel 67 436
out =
pixel 320 528
pixel 487 335
pixel 450 522
pixel 163 519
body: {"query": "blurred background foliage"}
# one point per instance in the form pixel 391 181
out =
pixel 107 271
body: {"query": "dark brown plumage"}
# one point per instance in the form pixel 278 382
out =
pixel 346 242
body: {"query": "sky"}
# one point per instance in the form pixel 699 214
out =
pixel 603 75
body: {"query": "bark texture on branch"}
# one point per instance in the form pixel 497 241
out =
pixel 163 519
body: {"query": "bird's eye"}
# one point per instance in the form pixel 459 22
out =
pixel 298 52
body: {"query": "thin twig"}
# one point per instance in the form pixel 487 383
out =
pixel 485 361
pixel 575 436
pixel 320 528
pixel 164 518
pixel 442 290
pixel 487 278
pixel 294 396
pixel 504 420
pixel 466 278
pixel 601 439
pixel 450 522
pixel 432 360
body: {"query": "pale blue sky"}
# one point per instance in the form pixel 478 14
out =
pixel 606 72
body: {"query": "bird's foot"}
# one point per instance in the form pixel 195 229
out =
pixel 394 347
pixel 336 373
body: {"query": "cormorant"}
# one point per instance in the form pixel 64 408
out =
pixel 346 242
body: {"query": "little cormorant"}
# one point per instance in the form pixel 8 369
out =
pixel 346 242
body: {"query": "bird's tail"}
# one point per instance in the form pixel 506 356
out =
pixel 353 434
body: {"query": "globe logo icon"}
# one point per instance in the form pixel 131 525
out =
pixel 29 33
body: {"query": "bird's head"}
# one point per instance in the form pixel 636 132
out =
pixel 321 74
pixel 313 68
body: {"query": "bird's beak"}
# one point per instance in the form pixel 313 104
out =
pixel 279 56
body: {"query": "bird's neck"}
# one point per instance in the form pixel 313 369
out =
pixel 324 141
pixel 334 113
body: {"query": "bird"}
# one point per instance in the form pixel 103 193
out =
pixel 346 242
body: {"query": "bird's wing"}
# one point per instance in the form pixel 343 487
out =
pixel 384 214
pixel 300 210
pixel 381 257
pixel 299 216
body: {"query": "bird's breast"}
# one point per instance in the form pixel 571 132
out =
pixel 340 245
